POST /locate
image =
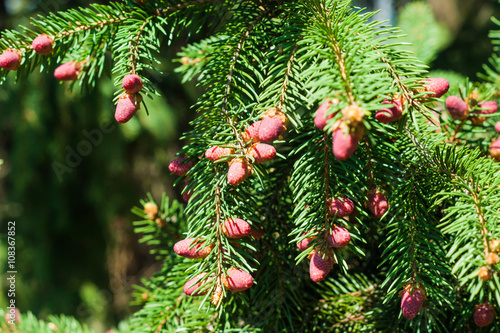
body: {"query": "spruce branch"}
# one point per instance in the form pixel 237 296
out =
pixel 99 25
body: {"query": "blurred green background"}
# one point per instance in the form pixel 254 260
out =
pixel 76 252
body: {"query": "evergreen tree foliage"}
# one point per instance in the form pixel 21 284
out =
pixel 279 61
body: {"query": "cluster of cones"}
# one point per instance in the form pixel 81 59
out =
pixel 470 108
pixel 128 103
pixel 474 110
pixel 196 248
pixel 485 313
pixel 413 298
pixel 11 59
pixel 349 129
pixel 151 210
pixel 337 237
pixel 486 272
pixel 258 151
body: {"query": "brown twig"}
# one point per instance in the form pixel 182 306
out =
pixel 369 166
pixel 134 46
pixel 218 221
pixel 285 80
pixel 482 220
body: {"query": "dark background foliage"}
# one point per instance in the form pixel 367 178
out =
pixel 76 252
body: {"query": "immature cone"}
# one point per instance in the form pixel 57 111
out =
pixel 321 118
pixel 353 115
pixel 319 267
pixel 43 44
pixel 388 115
pixel 377 203
pixel 236 228
pixel 10 60
pixel 214 153
pixel 487 107
pixel 179 167
pixel 484 314
pixel 494 245
pixel 68 71
pixel 339 237
pixel 340 206
pixel 411 304
pixel 184 249
pixel 304 244
pixel 195 283
pixel 345 144
pixel 237 280
pixel 272 125
pixel 151 210
pixel 438 85
pixel 484 273
pixel 252 132
pixel 217 296
pixel 491 258
pixel 262 152
pixel 495 149
pixel 127 107
pixel 457 107
pixel 497 126
pixel 132 83
pixel 239 170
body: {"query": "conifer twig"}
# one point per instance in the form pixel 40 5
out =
pixel 234 61
pixel 285 80
pixel 134 46
pixel 218 221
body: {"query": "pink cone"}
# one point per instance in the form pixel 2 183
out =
pixel 126 108
pixel 339 237
pixel 321 118
pixel 43 44
pixel 344 145
pixel 438 85
pixel 132 83
pixel 457 107
pixel 319 267
pixel 411 304
pixel 68 71
pixel 388 115
pixel 262 152
pixel 270 129
pixel 10 60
